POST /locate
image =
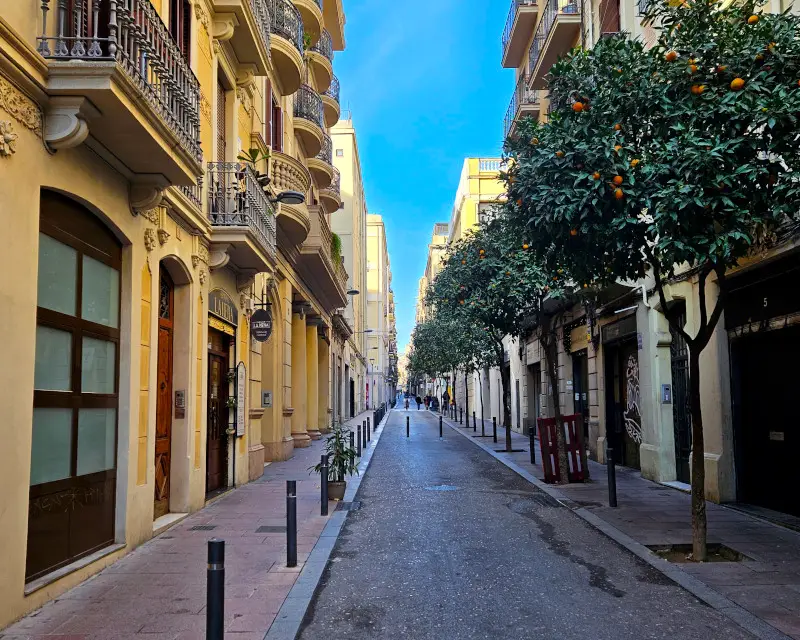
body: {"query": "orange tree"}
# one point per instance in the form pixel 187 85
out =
pixel 667 161
pixel 492 280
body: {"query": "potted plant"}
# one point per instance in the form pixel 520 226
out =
pixel 252 157
pixel 341 462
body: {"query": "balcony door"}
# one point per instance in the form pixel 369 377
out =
pixel 164 394
pixel 222 130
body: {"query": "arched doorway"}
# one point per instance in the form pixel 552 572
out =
pixel 163 457
pixel 76 387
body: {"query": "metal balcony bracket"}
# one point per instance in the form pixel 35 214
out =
pixel 224 26
pixel 67 121
pixel 218 256
pixel 146 193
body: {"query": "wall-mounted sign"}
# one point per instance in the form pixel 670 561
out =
pixel 221 306
pixel 241 386
pixel 180 404
pixel 621 329
pixel 261 325
pixel 266 399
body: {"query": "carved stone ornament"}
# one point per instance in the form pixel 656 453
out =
pixel 202 17
pixel 8 139
pixel 205 106
pixel 146 195
pixel 203 276
pixel 224 26
pixel 195 261
pixel 218 257
pixel 67 121
pixel 163 236
pixel 20 107
pixel 202 252
pixel 152 215
pixel 149 239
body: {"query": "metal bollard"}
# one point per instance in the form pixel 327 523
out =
pixel 369 430
pixel 323 486
pixel 364 434
pixel 440 428
pixel 612 477
pixel 291 523
pixel 352 440
pixel 494 429
pixel 462 416
pixel 215 590
pixel 474 423
pixel 532 436
pixel 358 440
pixel 407 431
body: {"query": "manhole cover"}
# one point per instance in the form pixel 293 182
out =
pixel 203 527
pixel 348 506
pixel 442 487
pixel 271 530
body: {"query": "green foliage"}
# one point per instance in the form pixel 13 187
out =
pixel 336 248
pixel 341 457
pixel 704 171
pixel 307 40
pixel 252 156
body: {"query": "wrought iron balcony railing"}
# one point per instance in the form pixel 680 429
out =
pixel 333 90
pixel 324 45
pixel 552 10
pixel 512 14
pixel 287 22
pixel 194 192
pixel 236 199
pixel 522 96
pixel 131 33
pixel 326 153
pixel 261 13
pixel 308 105
pixel 336 183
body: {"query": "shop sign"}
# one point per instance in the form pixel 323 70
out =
pixel 241 385
pixel 621 329
pixel 221 306
pixel 261 325
pixel 579 338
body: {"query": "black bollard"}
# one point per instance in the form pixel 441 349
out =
pixel 323 486
pixel 364 431
pixel 440 428
pixel 369 430
pixel 358 440
pixel 215 590
pixel 462 417
pixel 494 429
pixel 407 432
pixel 532 436
pixel 612 477
pixel 474 423
pixel 291 523
pixel 352 440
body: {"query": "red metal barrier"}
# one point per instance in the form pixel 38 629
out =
pixel 576 448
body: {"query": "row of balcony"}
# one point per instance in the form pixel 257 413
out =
pixel 556 33
pixel 524 103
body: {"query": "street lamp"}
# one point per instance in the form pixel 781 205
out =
pixel 289 197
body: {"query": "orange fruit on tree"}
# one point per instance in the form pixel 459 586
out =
pixel 534 140
pixel 463 262
pixel 617 180
pixel 798 83
pixel 508 273
pixel 573 232
pixel 617 147
pixel 721 68
pixel 618 193
pixel 752 19
pixel 634 162
pixel 596 174
pixel 737 84
pixel 692 68
pixel 617 127
pixel 759 57
pixel 481 252
pixel 671 56
pixel 559 154
pixel 525 246
pixel 519 202
pixel 577 107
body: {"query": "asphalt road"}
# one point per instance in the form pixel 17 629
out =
pixel 448 544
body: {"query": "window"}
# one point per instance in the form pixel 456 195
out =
pixel 180 25
pixel 277 125
pixel 340 153
pixel 486 212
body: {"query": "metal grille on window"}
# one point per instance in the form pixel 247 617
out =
pixel 163 301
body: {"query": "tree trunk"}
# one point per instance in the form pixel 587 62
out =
pixel 505 380
pixel 466 395
pixel 699 523
pixel 550 355
pixel 480 384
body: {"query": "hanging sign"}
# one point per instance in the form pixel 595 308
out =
pixel 261 325
pixel 241 385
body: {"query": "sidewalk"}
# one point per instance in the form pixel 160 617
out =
pixel 158 591
pixel 767 584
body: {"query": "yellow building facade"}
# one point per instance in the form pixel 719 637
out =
pixel 145 242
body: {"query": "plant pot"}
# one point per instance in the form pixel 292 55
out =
pixel 336 490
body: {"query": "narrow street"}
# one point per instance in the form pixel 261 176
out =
pixel 449 543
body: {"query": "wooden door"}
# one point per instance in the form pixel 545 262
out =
pixel 217 423
pixel 222 130
pixel 164 393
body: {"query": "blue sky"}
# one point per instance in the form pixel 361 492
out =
pixel 423 81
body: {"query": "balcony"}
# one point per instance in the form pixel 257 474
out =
pixel 333 16
pixel 330 197
pixel 320 58
pixel 242 218
pixel 330 103
pixel 311 13
pixel 321 166
pixel 524 103
pixel 286 44
pixel 558 31
pixel 114 71
pixel 519 26
pixel 317 265
pixel 289 174
pixel 246 26
pixel 308 122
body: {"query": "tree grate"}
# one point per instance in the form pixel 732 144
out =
pixel 348 506
pixel 203 527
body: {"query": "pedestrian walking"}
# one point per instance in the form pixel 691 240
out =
pixel 419 402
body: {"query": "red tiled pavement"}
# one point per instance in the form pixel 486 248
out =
pixel 158 591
